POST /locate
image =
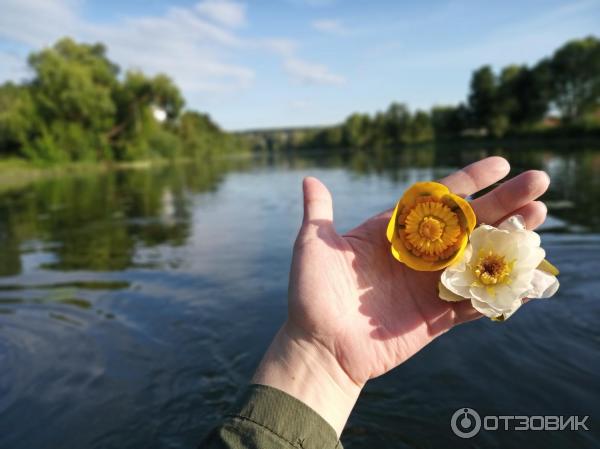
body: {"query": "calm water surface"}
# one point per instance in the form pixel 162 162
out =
pixel 134 305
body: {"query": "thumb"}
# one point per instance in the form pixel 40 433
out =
pixel 317 201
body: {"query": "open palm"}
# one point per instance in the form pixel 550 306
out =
pixel 368 310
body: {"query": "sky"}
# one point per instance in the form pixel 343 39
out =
pixel 279 63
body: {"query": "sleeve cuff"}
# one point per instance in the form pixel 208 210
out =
pixel 285 416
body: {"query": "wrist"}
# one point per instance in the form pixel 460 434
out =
pixel 306 370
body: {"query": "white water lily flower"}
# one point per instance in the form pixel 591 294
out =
pixel 500 267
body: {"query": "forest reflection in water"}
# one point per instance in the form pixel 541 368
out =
pixel 95 222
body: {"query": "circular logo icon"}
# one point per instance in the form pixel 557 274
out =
pixel 465 423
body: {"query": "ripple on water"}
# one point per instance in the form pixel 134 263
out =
pixel 33 340
pixel 49 341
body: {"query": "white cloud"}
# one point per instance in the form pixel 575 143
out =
pixel 306 72
pixel 228 13
pixel 311 73
pixel 330 26
pixel 283 47
pixel 180 43
pixel 37 22
pixel 196 45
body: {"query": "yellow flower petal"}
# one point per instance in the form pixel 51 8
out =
pixel 391 228
pixel 467 211
pixel 548 268
pixel 419 189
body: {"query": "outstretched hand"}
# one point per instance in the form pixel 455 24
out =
pixel 354 311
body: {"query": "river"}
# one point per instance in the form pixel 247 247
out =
pixel 135 304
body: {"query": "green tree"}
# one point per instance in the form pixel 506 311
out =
pixel 200 135
pixel 482 96
pixel 449 121
pixel 574 80
pixel 420 128
pixel 136 128
pixel 334 137
pixel 72 91
pixel 356 129
pixel 18 118
pixel 397 123
pixel 522 95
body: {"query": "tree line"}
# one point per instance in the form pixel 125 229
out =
pixel 558 95
pixel 79 107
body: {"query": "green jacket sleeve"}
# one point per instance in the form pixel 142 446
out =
pixel 268 418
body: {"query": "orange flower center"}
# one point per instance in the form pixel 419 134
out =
pixel 431 229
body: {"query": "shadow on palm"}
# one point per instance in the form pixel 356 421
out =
pixel 396 298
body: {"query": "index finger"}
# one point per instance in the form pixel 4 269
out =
pixel 477 176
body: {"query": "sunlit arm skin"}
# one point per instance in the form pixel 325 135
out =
pixel 354 312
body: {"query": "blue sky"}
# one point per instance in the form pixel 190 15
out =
pixel 266 63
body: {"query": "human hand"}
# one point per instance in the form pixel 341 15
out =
pixel 354 311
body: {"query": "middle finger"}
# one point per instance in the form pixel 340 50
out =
pixel 510 196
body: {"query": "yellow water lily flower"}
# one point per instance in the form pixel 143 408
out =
pixel 430 226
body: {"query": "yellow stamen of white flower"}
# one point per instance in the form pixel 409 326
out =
pixel 491 268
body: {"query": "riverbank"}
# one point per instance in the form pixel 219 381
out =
pixel 16 173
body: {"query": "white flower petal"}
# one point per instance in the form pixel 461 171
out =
pixel 514 223
pixel 513 308
pixel 479 293
pixel 505 296
pixel 494 313
pixel 528 238
pixel 511 254
pixel 543 285
pixel 530 259
pixel 500 297
pixel 485 308
pixel 457 278
pixel 502 242
pixel 461 264
pixel 479 237
pixel 447 295
pixel 457 281
pixel 520 283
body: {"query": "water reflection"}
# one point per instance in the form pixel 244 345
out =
pixel 574 169
pixel 96 222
